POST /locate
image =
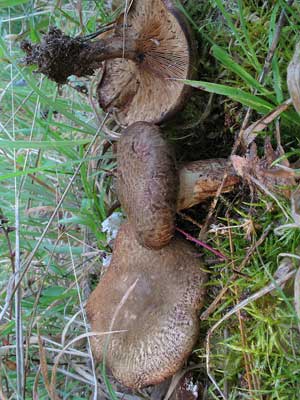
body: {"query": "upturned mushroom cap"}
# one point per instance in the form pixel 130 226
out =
pixel 147 183
pixel 147 89
pixel 148 52
pixel 159 315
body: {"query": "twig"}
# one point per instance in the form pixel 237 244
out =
pixel 202 244
pixel 188 218
pixel 250 133
pixel 17 259
pixel 32 176
pixel 281 22
pixel 267 191
pixel 239 317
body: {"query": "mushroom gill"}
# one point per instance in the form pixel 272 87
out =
pixel 159 316
pixel 150 90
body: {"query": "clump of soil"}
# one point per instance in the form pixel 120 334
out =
pixel 58 56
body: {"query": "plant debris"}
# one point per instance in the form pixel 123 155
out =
pixel 271 176
pixel 58 56
pixel 186 389
pixel 293 78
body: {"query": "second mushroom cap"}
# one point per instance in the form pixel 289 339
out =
pixel 147 183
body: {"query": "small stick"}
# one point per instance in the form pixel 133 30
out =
pixel 247 357
pixel 202 244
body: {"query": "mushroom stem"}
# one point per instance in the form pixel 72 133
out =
pixel 108 48
pixel 59 56
pixel 200 180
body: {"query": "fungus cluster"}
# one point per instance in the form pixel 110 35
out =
pixel 145 57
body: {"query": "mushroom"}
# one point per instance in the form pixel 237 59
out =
pixel 148 186
pixel 199 180
pixel 148 52
pixel 147 183
pixel 157 324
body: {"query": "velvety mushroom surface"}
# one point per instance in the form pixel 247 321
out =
pixel 159 315
pixel 147 89
pixel 147 183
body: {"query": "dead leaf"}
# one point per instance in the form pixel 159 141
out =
pixel 44 366
pixel 293 78
pixel 274 178
pixel 11 365
pixel 295 206
pixel 42 212
pixel 251 132
pixel 297 295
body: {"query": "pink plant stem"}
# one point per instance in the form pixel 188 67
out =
pixel 202 244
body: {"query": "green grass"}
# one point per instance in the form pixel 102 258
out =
pixel 44 134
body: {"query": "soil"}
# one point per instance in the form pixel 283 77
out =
pixel 58 56
pixel 201 132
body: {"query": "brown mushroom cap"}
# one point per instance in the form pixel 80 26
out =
pixel 159 315
pixel 144 90
pixel 147 183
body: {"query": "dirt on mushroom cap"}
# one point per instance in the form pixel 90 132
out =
pixel 147 183
pixel 149 90
pixel 159 316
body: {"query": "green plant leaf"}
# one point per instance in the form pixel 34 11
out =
pixel 235 94
pixel 222 56
pixel 12 3
pixel 24 144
